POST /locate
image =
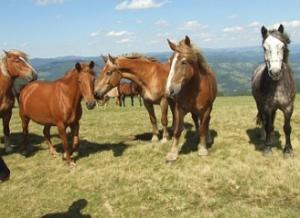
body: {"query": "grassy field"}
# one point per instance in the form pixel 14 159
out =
pixel 119 173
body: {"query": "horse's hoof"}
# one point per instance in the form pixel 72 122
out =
pixel 202 151
pixel 72 164
pixel 8 149
pixel 288 153
pixel 171 158
pixel 164 140
pixel 154 138
pixel 267 152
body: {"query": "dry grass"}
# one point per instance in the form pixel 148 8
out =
pixel 119 176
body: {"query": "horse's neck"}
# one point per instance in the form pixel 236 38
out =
pixel 134 70
pixel 71 87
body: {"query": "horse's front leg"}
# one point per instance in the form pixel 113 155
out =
pixel 46 133
pixel 288 149
pixel 150 109
pixel 178 127
pixel 63 136
pixel 164 119
pixel 268 125
pixel 6 131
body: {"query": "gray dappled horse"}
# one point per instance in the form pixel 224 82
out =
pixel 273 86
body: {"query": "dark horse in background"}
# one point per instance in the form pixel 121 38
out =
pixel 13 64
pixel 58 103
pixel 131 90
pixel 273 87
pixel 193 86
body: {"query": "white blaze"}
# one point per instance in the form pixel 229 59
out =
pixel 172 72
pixel 274 53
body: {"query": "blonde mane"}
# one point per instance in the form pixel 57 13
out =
pixel 195 54
pixel 140 57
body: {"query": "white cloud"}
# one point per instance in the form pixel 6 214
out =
pixel 163 34
pixel 96 33
pixel 192 25
pixel 125 40
pixel 288 24
pixel 162 23
pixel 254 24
pixel 233 29
pixel 47 2
pixel 118 34
pixel 139 4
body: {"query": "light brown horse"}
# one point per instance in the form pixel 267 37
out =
pixel 13 64
pixel 128 89
pixel 150 75
pixel 193 86
pixel 58 103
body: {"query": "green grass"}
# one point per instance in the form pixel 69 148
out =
pixel 120 176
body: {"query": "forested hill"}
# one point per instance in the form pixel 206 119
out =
pixel 233 67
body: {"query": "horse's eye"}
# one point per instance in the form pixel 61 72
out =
pixel 184 62
pixel 109 73
pixel 18 61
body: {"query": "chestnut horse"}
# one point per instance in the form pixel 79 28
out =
pixel 193 86
pixel 128 89
pixel 58 103
pixel 149 74
pixel 13 64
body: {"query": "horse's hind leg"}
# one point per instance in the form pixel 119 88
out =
pixel 150 109
pixel 203 132
pixel 46 133
pixel 63 135
pixel 75 135
pixel 288 149
pixel 132 102
pixel 164 119
pixel 25 122
pixel 6 131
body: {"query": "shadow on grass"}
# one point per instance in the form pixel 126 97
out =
pixel 255 139
pixel 192 140
pixel 74 211
pixel 16 140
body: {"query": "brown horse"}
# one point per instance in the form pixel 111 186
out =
pixel 192 84
pixel 113 93
pixel 58 104
pixel 13 64
pixel 150 75
pixel 128 89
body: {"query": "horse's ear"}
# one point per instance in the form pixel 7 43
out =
pixel 92 64
pixel 104 58
pixel 172 45
pixel 187 41
pixel 281 28
pixel 111 60
pixel 78 66
pixel 5 52
pixel 264 31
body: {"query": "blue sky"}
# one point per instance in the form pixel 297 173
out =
pixel 50 28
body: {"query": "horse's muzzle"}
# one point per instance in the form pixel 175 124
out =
pixel 91 104
pixel 98 95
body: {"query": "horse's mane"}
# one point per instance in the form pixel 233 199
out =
pixel 195 54
pixel 139 56
pixel 3 66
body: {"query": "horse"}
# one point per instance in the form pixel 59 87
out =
pixel 273 87
pixel 149 74
pixel 13 64
pixel 113 93
pixel 193 86
pixel 58 103
pixel 4 171
pixel 128 89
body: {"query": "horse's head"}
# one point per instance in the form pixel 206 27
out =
pixel 275 49
pixel 15 64
pixel 86 81
pixel 182 67
pixel 109 77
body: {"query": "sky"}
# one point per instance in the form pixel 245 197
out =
pixel 52 28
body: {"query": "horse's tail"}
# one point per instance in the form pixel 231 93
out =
pixel 258 119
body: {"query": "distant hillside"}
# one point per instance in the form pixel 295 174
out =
pixel 233 67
